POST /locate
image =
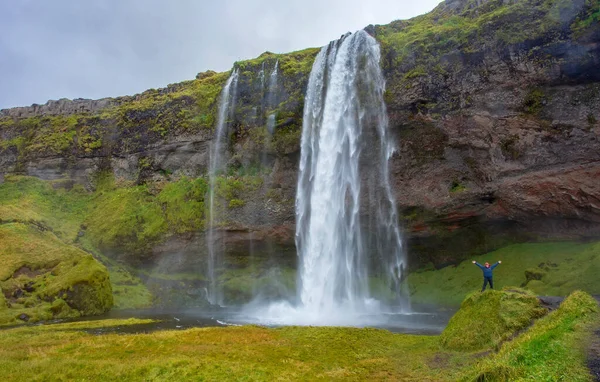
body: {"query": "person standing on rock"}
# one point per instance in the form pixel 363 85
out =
pixel 487 273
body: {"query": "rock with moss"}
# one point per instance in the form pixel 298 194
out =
pixel 552 348
pixel 534 274
pixel 43 278
pixel 487 319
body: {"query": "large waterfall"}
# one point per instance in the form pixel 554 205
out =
pixel 347 235
pixel 215 250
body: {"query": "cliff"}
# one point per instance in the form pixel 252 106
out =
pixel 494 105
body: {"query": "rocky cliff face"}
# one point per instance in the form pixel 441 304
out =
pixel 495 106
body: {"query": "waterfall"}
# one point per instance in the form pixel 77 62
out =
pixel 215 249
pixel 347 232
pixel 272 98
pixel 344 115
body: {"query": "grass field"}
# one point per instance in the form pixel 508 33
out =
pixel 551 349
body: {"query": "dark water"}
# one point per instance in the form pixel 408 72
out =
pixel 425 323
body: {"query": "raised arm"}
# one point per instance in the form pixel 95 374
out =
pixel 479 265
pixel 495 265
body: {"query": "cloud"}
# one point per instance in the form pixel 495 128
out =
pixel 103 48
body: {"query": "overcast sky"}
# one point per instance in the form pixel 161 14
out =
pixel 105 48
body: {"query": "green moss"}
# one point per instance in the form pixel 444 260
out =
pixel 534 274
pixel 534 101
pixel 572 266
pixel 487 319
pixel 236 203
pixel 236 189
pixel 231 353
pixel 587 19
pixel 28 199
pixel 416 72
pixel 298 63
pixel 552 350
pixel 39 269
pixel 457 187
pixel 445 41
pixel 129 292
pixel 183 204
pixel 287 140
pixel 127 218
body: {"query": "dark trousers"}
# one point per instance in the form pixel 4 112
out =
pixel 487 280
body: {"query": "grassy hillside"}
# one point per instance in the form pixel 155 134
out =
pixel 43 278
pixel 554 269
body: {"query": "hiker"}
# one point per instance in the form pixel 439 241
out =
pixel 487 273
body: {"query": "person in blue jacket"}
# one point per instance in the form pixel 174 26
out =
pixel 487 273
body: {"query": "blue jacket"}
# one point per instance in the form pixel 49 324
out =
pixel 487 272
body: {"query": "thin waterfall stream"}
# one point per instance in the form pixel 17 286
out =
pixel 215 250
pixel 342 223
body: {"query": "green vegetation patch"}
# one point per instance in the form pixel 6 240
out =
pixel 121 218
pixel 27 199
pixel 487 319
pixel 551 269
pixel 232 353
pixel 552 350
pixel 44 278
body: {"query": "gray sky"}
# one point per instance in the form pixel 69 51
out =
pixel 106 48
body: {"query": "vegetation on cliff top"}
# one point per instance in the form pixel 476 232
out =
pixel 186 107
pixel 552 348
pixel 439 44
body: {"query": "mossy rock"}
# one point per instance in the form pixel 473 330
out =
pixel 44 278
pixel 552 349
pixel 487 319
pixel 534 274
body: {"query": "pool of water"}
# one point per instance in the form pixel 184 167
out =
pixel 426 323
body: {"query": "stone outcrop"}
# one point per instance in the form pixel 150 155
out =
pixel 61 106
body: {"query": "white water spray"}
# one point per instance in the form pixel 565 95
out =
pixel 215 250
pixel 346 231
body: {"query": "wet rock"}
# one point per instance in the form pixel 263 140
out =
pixel 29 287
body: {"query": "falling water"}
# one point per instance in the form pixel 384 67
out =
pixel 215 250
pixel 272 98
pixel 344 225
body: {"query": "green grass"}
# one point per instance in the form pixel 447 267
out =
pixel 564 267
pixel 129 292
pixel 552 350
pixel 234 353
pixel 64 280
pixel 549 350
pixel 487 319
pixel 28 199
